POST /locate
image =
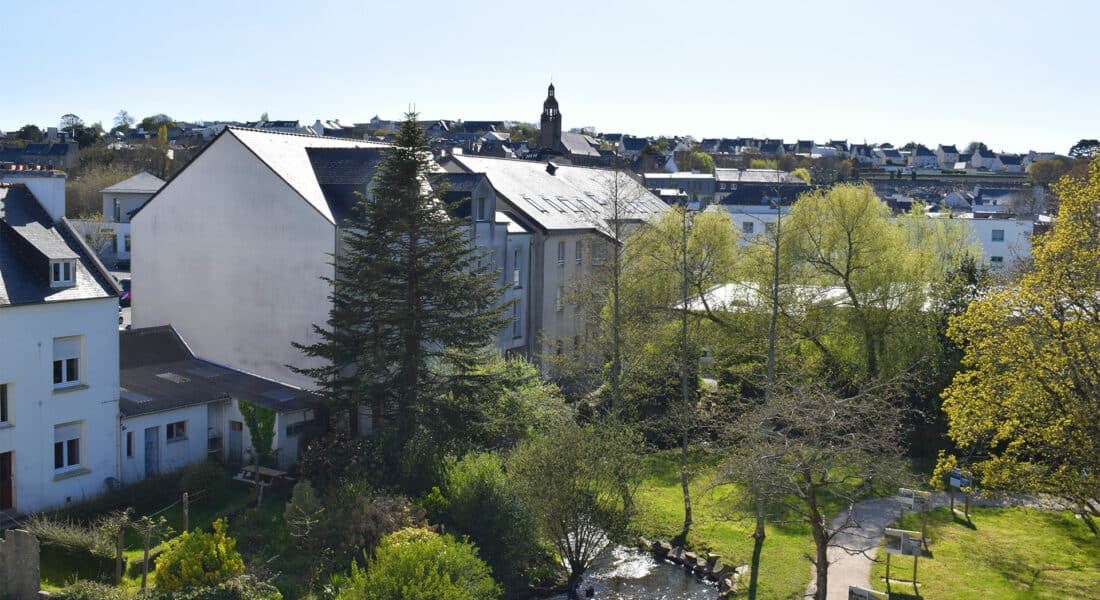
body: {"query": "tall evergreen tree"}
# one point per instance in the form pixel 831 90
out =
pixel 408 297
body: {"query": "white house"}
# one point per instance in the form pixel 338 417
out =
pixel 983 159
pixel 177 409
pixel 923 158
pixel 947 156
pixel 567 210
pixel 1003 237
pixel 58 354
pixel 119 202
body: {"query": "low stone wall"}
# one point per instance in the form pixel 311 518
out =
pixel 707 565
pixel 19 570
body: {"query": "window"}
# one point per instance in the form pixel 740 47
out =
pixel 997 261
pixel 4 416
pixel 129 444
pixel 561 253
pixel 560 298
pixel 998 235
pixel 176 431
pixel 118 211
pixel 66 362
pixel 515 320
pixel 126 243
pixel 66 446
pixel 515 268
pixel 481 206
pixel 599 252
pixel 747 227
pixel 769 227
pixel 62 272
pixel 297 428
pixel 577 252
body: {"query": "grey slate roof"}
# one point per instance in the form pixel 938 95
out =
pixel 28 241
pixel 142 183
pixel 572 198
pixel 578 144
pixel 756 176
pixel 157 372
pixel 341 172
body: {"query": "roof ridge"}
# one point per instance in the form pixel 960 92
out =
pixel 538 162
pixel 305 135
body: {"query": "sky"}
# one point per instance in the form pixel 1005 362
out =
pixel 1016 75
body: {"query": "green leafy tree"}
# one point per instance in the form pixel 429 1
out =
pixel 1085 149
pixel 1047 172
pixel 153 122
pixel 123 121
pixel 579 481
pixel 71 123
pixel 407 299
pixel 198 559
pixel 261 428
pixel 481 503
pixel 30 133
pixel 417 564
pixel 303 513
pixel 1026 409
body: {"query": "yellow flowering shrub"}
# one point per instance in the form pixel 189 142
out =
pixel 198 559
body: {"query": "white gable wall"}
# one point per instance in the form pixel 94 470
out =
pixel 232 257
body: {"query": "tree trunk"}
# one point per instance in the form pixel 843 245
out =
pixel 145 561
pixel 758 498
pixel 685 383
pixel 821 544
pixel 118 555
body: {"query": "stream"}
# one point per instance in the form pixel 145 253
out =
pixel 622 573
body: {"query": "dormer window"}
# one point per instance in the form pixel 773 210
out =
pixel 62 273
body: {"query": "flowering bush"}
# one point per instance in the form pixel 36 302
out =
pixel 198 559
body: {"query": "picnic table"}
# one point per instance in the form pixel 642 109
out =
pixel 261 477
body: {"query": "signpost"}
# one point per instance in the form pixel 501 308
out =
pixel 917 501
pixel 960 480
pixel 905 543
pixel 860 593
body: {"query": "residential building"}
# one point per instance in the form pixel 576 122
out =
pixel 177 409
pixel 567 210
pixel 119 202
pixel 698 187
pixel 947 156
pixel 983 160
pixel 58 353
pixel 756 186
pixel 237 247
pixel 923 158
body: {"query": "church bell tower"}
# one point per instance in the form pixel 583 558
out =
pixel 550 127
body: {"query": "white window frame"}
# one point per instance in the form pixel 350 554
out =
pixel 515 268
pixel 126 242
pixel 515 320
pixel 62 273
pixel 747 227
pixel 175 431
pixel 561 253
pixel 66 361
pixel 993 235
pixel 997 262
pixel 65 432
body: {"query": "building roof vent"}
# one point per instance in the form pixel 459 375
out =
pixel 551 168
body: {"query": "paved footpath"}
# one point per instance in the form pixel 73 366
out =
pixel 853 551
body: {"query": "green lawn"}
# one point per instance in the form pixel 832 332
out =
pixel 784 570
pixel 1004 553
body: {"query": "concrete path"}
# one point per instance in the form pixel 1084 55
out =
pixel 854 550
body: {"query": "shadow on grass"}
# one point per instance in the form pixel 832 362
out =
pixel 964 521
pixel 754 570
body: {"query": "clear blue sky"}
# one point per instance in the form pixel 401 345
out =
pixel 1017 75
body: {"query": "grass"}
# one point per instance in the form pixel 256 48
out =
pixel 1004 553
pixel 784 570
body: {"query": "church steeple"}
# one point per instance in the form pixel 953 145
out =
pixel 550 124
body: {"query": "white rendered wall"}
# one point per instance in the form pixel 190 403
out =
pixel 26 365
pixel 1017 238
pixel 173 455
pixel 232 257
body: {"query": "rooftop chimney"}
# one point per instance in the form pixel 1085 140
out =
pixel 551 168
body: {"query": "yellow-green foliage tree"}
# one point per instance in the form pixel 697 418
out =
pixel 863 278
pixel 198 559
pixel 1027 405
pixel 802 173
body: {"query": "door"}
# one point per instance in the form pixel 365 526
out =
pixel 7 497
pixel 152 451
pixel 236 456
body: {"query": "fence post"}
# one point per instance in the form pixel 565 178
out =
pixel 185 512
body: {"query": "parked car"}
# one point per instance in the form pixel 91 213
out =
pixel 124 299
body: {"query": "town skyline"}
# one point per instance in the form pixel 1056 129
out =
pixel 880 74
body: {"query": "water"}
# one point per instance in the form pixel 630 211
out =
pixel 622 573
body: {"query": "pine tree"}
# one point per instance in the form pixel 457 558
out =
pixel 408 297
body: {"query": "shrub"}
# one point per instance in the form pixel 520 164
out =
pixel 89 590
pixel 243 587
pixel 69 535
pixel 206 475
pixel 417 564
pixel 303 513
pixel 370 520
pixel 330 459
pixel 482 504
pixel 198 559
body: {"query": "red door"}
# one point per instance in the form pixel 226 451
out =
pixel 6 499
